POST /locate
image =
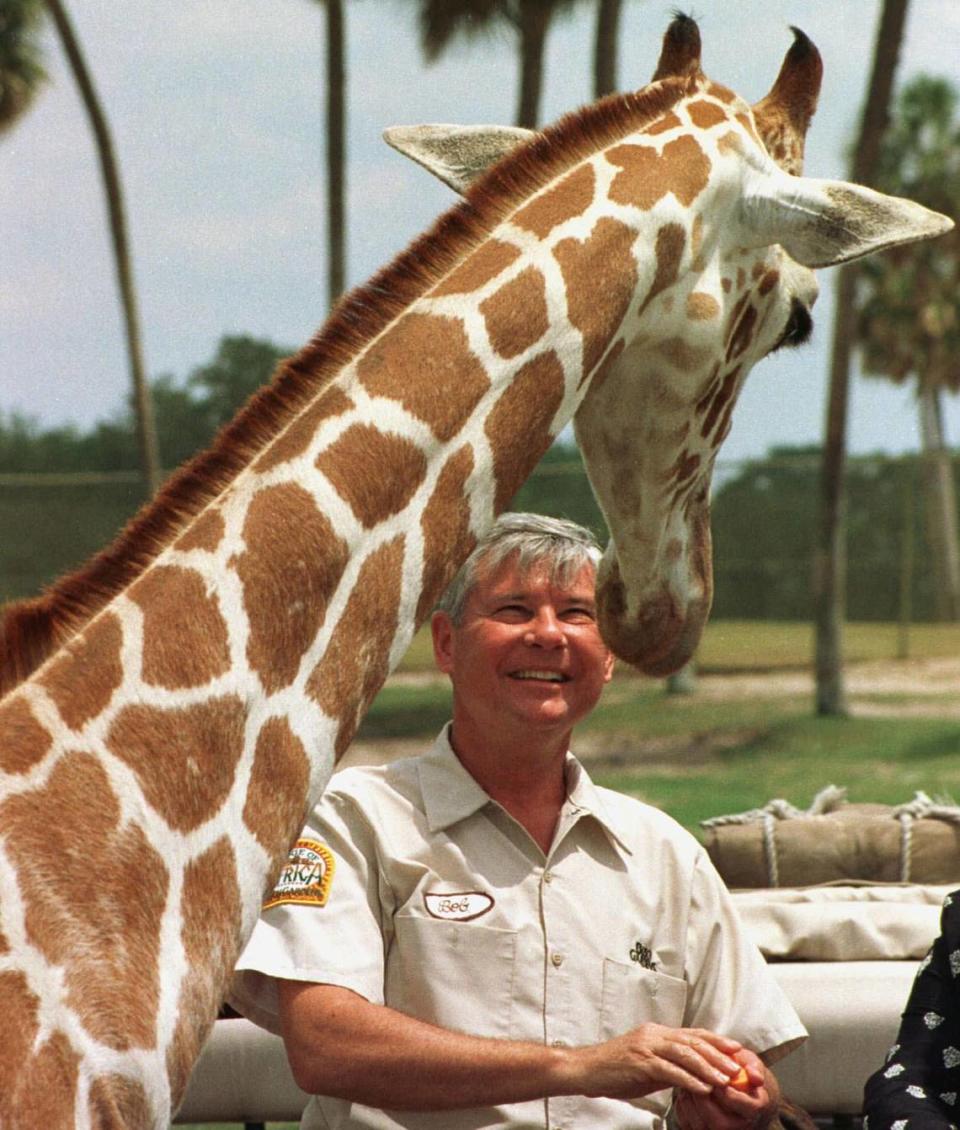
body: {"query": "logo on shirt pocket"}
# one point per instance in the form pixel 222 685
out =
pixel 457 906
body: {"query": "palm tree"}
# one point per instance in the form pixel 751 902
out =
pixel 606 47
pixel 21 65
pixel 442 21
pixel 336 148
pixel 830 556
pixel 142 403
pixel 908 323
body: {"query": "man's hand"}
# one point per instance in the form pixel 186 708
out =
pixel 652 1057
pixel 729 1107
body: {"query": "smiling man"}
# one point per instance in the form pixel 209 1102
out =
pixel 481 937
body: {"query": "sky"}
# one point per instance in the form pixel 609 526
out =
pixel 217 113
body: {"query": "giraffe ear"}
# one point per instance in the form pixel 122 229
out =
pixel 456 154
pixel 821 222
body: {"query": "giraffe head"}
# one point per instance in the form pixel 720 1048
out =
pixel 706 233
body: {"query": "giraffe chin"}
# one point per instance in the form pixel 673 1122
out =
pixel 660 638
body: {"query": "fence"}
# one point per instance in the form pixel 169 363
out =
pixel 764 521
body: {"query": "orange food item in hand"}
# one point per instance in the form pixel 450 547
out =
pixel 740 1081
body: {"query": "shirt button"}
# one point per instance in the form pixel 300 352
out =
pixel 548 876
pixel 556 959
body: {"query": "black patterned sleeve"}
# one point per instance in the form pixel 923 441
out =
pixel 918 1086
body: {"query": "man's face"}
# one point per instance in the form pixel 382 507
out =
pixel 527 652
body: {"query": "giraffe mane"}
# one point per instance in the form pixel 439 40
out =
pixel 34 628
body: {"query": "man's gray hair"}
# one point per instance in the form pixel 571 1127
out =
pixel 564 547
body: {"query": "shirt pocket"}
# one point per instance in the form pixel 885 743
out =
pixel 631 995
pixel 455 974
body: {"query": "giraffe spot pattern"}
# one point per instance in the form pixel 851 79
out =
pixel 681 168
pixel 81 681
pixel 721 93
pixel 686 466
pixel 518 426
pixel 704 114
pixel 298 435
pixel 702 307
pixel 742 333
pixel 747 121
pixel 489 260
pixel 117 1100
pixel 516 314
pixel 668 250
pixel 37 1084
pixel 94 892
pixel 356 661
pixel 445 523
pixel 211 944
pixel 277 794
pixel 184 757
pixel 599 275
pixel 769 281
pixel 205 533
pixel 663 124
pixel 681 355
pixel 731 145
pixel 376 473
pixel 569 198
pixel 721 402
pixel 185 641
pixel 606 365
pixel 424 362
pixel 292 563
pixel 25 741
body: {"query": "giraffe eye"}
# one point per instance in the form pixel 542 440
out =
pixel 798 329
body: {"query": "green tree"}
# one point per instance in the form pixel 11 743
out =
pixel 240 366
pixel 907 324
pixel 21 59
pixel 443 21
pixel 830 554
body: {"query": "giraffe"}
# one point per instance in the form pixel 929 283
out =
pixel 182 701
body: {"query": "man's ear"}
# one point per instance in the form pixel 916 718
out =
pixel 456 154
pixel 441 629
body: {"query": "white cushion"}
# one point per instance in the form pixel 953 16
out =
pixel 843 921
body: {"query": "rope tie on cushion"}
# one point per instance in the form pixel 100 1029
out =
pixel 920 808
pixel 829 799
pixel 825 801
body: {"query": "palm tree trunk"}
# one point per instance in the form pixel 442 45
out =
pixel 142 402
pixel 830 555
pixel 605 48
pixel 534 23
pixel 941 508
pixel 336 150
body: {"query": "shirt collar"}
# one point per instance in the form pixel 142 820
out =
pixel 451 794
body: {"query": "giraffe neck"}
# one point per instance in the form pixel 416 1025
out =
pixel 200 712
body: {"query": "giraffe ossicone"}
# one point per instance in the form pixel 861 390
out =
pixel 174 709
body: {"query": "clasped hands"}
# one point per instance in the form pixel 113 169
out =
pixel 718 1084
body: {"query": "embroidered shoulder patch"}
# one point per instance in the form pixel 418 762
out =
pixel 306 876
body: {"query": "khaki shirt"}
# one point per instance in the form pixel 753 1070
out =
pixel 422 893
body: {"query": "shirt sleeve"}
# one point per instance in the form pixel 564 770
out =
pixel 323 922
pixel 918 1085
pixel 731 989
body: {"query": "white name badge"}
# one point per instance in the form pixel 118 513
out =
pixel 459 906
